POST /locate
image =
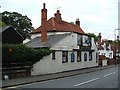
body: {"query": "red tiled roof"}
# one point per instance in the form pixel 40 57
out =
pixel 102 57
pixel 53 25
pixel 100 48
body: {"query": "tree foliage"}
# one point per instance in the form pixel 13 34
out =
pixel 110 41
pixel 2 24
pixel 93 35
pixel 21 23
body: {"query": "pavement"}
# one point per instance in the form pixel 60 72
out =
pixel 33 79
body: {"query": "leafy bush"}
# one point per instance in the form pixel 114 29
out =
pixel 39 53
pixel 22 53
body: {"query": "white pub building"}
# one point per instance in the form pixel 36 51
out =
pixel 72 48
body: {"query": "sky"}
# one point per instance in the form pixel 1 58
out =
pixel 95 15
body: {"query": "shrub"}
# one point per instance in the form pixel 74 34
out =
pixel 22 53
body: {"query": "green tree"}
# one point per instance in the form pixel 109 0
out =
pixel 2 24
pixel 21 23
pixel 93 35
pixel 110 41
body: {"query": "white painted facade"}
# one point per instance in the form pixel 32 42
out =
pixel 119 34
pixel 104 62
pixel 68 43
pixel 46 65
pixel 105 52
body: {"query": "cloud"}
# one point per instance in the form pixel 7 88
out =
pixel 18 1
pixel 95 15
pixel 13 1
pixel 36 20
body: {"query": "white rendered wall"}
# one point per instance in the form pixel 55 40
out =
pixel 107 53
pixel 68 43
pixel 47 65
pixel 104 62
pixel 119 33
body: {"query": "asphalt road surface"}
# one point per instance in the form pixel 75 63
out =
pixel 107 78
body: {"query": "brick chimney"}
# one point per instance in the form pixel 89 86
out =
pixel 77 22
pixel 58 16
pixel 43 14
pixel 43 24
pixel 99 38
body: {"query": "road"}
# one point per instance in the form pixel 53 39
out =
pixel 107 78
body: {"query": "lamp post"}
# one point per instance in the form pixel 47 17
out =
pixel 118 52
pixel 115 44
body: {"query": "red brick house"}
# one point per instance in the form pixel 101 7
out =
pixel 105 51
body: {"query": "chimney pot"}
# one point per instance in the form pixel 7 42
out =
pixel 77 22
pixel 99 38
pixel 44 5
pixel 58 16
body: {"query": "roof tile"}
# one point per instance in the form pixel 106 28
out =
pixel 53 25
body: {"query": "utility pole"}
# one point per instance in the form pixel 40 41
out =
pixel 118 52
pixel 116 45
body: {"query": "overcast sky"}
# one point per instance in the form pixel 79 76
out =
pixel 95 15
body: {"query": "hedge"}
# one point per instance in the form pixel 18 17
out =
pixel 22 53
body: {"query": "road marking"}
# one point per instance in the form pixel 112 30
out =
pixel 109 74
pixel 86 82
pixel 60 79
pixel 18 86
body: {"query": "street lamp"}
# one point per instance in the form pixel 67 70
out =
pixel 118 52
pixel 115 43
